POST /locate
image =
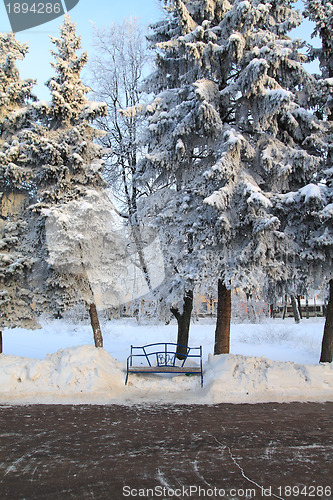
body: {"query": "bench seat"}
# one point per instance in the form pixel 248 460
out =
pixel 162 358
pixel 164 369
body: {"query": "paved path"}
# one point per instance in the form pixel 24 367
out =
pixel 115 452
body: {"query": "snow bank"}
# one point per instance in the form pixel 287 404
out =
pixel 73 374
pixel 88 375
pixel 241 379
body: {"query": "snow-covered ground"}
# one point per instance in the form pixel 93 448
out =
pixel 276 360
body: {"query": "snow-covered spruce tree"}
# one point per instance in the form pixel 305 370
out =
pixel 308 211
pixel 67 174
pixel 182 120
pixel 270 144
pixel 14 92
pixel 321 13
pixel 236 79
pixel 16 303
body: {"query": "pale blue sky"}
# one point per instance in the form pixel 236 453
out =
pixel 87 12
pixel 101 12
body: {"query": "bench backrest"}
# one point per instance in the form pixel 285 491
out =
pixel 163 353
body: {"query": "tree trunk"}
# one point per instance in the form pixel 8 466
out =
pixel 327 343
pixel 0 342
pixel 295 309
pixel 284 312
pixel 183 321
pixel 98 338
pixel 271 311
pixel 299 306
pixel 222 331
pixel 251 310
pixel 94 321
pixel 139 247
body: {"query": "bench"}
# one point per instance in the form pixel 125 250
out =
pixel 162 358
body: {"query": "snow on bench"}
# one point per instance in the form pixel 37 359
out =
pixel 162 358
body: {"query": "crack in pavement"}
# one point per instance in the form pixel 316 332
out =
pixel 241 468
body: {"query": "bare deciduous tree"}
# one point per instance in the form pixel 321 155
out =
pixel 116 78
pixel 117 71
